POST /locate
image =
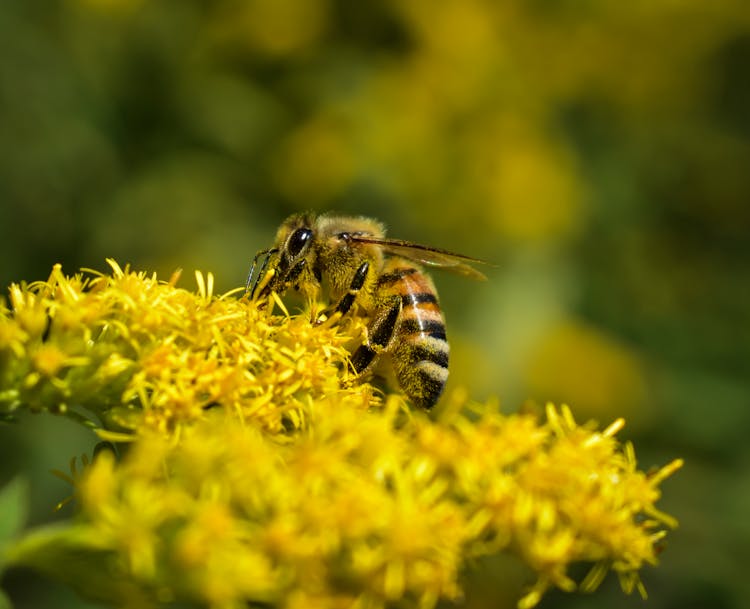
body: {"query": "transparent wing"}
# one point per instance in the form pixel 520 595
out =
pixel 431 256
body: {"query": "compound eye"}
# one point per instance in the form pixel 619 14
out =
pixel 298 240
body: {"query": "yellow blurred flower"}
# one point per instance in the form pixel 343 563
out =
pixel 273 27
pixel 315 163
pixel 602 376
pixel 529 181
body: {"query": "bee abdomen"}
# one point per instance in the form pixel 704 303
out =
pixel 422 369
pixel 422 354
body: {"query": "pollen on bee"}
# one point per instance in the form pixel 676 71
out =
pixel 269 274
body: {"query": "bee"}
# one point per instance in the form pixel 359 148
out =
pixel 363 270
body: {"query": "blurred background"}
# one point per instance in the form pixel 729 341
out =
pixel 598 152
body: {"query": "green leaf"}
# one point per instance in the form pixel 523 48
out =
pixel 14 509
pixel 74 557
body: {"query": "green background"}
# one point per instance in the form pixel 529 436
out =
pixel 598 152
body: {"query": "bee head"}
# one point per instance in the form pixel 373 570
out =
pixel 289 262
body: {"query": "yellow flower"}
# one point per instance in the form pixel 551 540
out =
pixel 142 353
pixel 259 472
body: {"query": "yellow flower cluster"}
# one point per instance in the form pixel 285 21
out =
pixel 127 352
pixel 301 489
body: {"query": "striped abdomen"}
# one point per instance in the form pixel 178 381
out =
pixel 419 349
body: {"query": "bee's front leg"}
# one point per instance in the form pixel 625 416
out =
pixel 342 308
pixel 379 334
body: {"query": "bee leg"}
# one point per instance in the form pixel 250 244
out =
pixel 379 334
pixel 272 281
pixel 346 302
pixel 356 285
pixel 267 254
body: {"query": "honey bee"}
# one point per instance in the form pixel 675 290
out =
pixel 363 270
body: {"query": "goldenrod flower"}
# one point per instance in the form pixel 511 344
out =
pixel 131 353
pixel 258 472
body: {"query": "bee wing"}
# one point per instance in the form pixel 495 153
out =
pixel 431 256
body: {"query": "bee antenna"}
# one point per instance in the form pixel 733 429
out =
pixel 267 253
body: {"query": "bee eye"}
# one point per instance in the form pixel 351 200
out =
pixel 298 240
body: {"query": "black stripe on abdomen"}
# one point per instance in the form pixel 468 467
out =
pixel 414 325
pixel 430 390
pixel 416 298
pixel 395 276
pixel 420 353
